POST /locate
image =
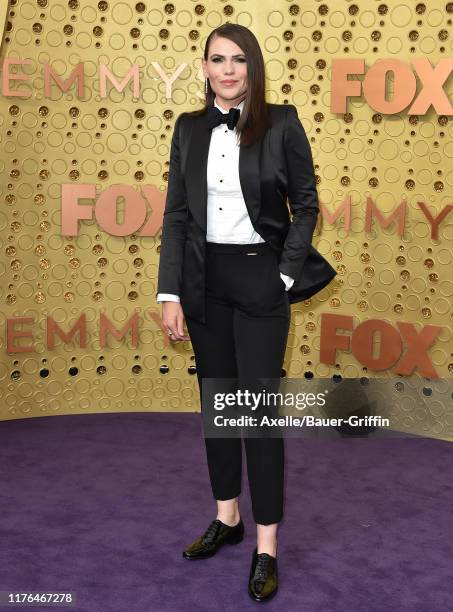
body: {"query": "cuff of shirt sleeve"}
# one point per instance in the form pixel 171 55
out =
pixel 167 297
pixel 287 280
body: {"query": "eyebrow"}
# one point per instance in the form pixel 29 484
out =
pixel 237 55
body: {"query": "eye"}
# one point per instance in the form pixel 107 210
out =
pixel 242 60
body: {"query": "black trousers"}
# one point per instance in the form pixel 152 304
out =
pixel 244 337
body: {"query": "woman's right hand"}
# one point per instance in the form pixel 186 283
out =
pixel 173 320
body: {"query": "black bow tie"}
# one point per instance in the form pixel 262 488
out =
pixel 216 117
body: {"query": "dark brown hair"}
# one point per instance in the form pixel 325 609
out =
pixel 255 116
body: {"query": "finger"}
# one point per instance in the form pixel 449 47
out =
pixel 171 334
pixel 180 328
pixel 185 335
pixel 183 331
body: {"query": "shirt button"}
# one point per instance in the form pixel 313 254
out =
pixel 220 208
pixel 221 180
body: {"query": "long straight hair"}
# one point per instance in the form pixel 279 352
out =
pixel 255 117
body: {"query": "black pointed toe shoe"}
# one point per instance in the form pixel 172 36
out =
pixel 263 579
pixel 213 538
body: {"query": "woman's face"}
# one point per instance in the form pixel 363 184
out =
pixel 226 69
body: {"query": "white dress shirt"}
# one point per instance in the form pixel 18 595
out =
pixel 227 218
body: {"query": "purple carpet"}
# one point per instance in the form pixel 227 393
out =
pixel 102 505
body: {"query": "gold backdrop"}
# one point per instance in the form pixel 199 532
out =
pixel 48 141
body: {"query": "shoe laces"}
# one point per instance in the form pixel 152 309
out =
pixel 211 532
pixel 262 567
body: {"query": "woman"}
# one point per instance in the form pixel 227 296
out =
pixel 230 264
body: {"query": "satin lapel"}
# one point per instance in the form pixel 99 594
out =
pixel 249 177
pixel 196 168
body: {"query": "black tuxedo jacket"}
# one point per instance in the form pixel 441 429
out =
pixel 275 168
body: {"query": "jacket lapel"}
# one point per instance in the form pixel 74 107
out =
pixel 196 168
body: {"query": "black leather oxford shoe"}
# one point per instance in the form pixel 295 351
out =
pixel 213 538
pixel 263 579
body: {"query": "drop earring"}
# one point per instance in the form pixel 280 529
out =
pixel 206 86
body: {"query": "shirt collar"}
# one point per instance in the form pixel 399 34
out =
pixel 240 106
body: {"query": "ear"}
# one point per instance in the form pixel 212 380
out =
pixel 203 65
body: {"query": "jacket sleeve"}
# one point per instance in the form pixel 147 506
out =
pixel 174 225
pixel 302 195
